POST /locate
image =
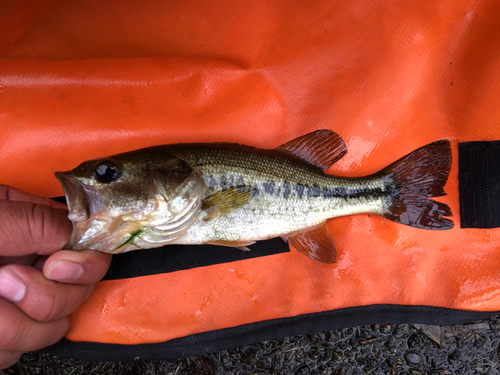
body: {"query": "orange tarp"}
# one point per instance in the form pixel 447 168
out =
pixel 79 80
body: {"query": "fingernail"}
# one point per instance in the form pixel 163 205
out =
pixel 64 270
pixel 12 287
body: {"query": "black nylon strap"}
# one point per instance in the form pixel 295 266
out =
pixel 479 184
pixel 173 258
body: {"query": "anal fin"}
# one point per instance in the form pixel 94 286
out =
pixel 240 245
pixel 316 243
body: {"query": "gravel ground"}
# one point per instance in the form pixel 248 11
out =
pixel 378 349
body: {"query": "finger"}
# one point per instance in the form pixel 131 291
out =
pixel 38 264
pixel 9 358
pixel 77 267
pixel 27 226
pixel 18 332
pixel 10 193
pixel 41 299
pixel 27 260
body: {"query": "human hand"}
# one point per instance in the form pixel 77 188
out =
pixel 40 284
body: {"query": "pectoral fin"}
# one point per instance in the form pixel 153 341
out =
pixel 225 201
pixel 316 243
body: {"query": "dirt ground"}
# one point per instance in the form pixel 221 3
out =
pixel 377 349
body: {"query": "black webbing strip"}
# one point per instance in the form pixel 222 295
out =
pixel 479 184
pixel 173 258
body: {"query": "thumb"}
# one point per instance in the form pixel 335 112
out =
pixel 27 228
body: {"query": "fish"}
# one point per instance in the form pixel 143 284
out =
pixel 234 195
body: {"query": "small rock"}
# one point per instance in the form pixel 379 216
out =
pixel 362 361
pixel 371 363
pixel 412 358
pixel 325 356
pixel 342 345
pixel 414 341
pixel 401 330
pixel 303 370
pixel 336 356
pixel 385 329
pixel 349 331
pixel 476 326
pixel 495 327
pixel 433 332
pixel 483 368
pixel 480 341
pixel 330 336
pixel 454 355
pixel 344 369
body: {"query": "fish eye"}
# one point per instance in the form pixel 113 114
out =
pixel 107 172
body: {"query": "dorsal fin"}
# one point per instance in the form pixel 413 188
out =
pixel 316 243
pixel 321 148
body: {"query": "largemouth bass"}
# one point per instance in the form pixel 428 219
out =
pixel 234 195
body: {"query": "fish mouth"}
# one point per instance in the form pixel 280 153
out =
pixel 75 197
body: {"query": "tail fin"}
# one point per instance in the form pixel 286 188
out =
pixel 417 176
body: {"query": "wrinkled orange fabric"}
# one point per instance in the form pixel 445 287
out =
pixel 79 80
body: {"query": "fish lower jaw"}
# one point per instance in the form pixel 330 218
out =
pixel 77 216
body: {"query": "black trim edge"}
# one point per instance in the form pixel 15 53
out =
pixel 213 341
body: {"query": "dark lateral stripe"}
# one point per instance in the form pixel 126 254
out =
pixel 316 191
pixel 226 181
pixel 342 192
pixel 286 189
